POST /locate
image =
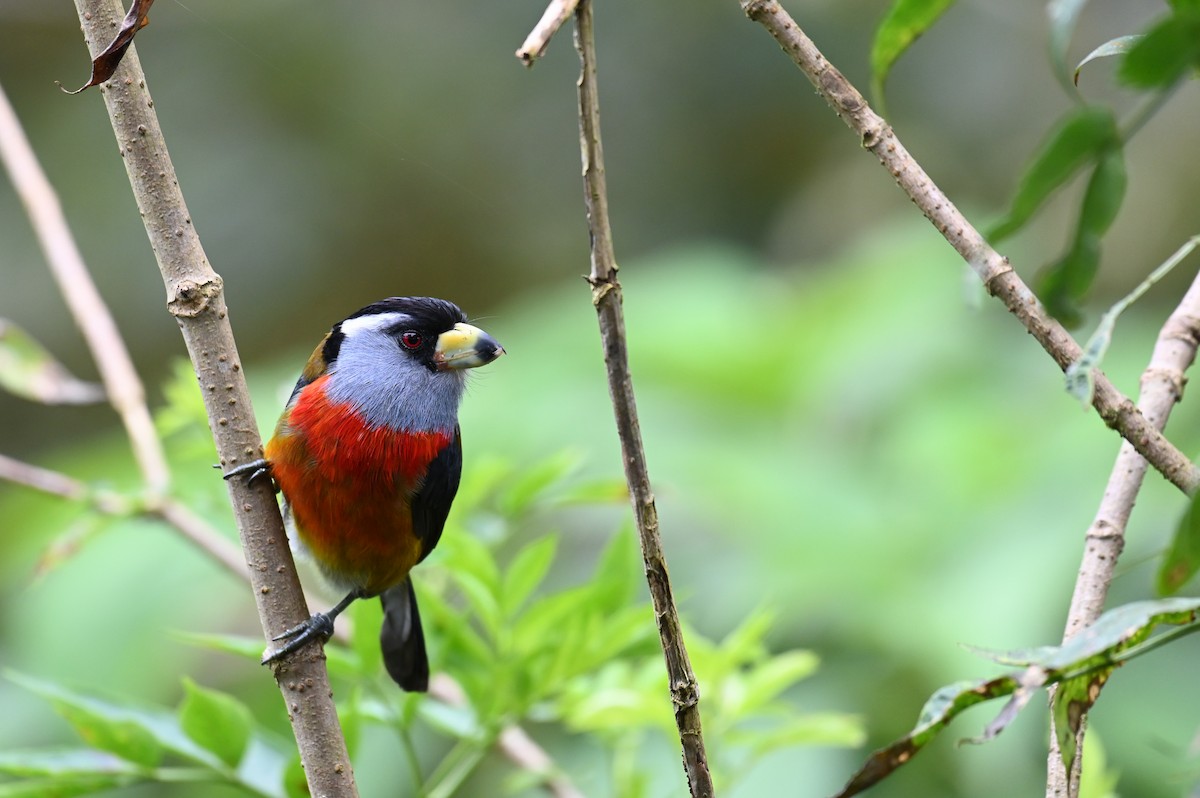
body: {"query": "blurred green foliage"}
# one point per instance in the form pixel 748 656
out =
pixel 584 658
pixel 849 463
pixel 873 499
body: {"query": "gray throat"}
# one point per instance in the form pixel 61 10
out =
pixel 395 392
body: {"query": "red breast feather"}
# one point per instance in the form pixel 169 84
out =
pixel 349 486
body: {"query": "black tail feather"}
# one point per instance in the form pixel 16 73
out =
pixel 402 639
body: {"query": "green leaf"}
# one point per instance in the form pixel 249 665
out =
pixel 536 625
pixel 132 734
pixel 904 22
pixel 62 763
pixel 526 572
pixel 483 603
pixel 1079 139
pixel 1062 284
pixel 1072 700
pixel 1118 46
pixel 456 632
pixel 535 481
pixel 1183 559
pixel 1105 192
pixel 1082 664
pixel 216 721
pixel 610 490
pixel 466 554
pixel 1019 657
pixel 1062 15
pixel 762 685
pixel 1117 634
pixel 29 371
pixel 1165 53
pixel 1065 283
pixel 618 697
pixel 938 711
pixel 817 728
pixel 618 575
pixel 66 786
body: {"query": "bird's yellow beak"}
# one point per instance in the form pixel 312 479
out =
pixel 465 347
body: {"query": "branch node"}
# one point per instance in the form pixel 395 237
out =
pixel 685 695
pixel 1005 268
pixel 192 298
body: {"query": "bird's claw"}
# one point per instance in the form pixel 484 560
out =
pixel 318 627
pixel 254 469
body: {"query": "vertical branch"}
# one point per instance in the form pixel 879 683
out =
pixel 606 296
pixel 121 383
pixel 1161 388
pixel 196 299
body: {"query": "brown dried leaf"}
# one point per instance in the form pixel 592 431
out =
pixel 105 64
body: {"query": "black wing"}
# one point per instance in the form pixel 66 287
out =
pixel 431 504
pixel 401 637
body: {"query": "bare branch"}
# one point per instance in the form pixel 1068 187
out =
pixel 606 296
pixel 201 533
pixel 170 511
pixel 521 749
pixel 1161 388
pixel 998 277
pixel 58 484
pixel 91 315
pixel 558 12
pixel 196 299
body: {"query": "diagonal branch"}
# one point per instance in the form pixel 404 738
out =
pixel 1161 388
pixel 168 510
pixel 606 296
pixel 121 383
pixel 558 12
pixel 196 299
pixel 998 277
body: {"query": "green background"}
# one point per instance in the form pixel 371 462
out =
pixel 834 431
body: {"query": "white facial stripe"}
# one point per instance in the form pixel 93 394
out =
pixel 377 321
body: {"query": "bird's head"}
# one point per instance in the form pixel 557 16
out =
pixel 402 362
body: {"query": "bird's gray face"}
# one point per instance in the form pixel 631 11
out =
pixel 403 365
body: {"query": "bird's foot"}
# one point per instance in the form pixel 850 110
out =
pixel 252 470
pixel 318 627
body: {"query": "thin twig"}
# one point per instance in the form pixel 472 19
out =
pixel 558 12
pixel 196 299
pixel 185 521
pixel 998 277
pixel 521 749
pixel 606 296
pixel 59 484
pixel 91 315
pixel 1161 388
pixel 167 510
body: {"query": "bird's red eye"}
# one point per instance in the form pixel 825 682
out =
pixel 411 339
